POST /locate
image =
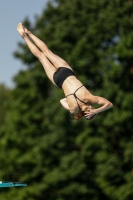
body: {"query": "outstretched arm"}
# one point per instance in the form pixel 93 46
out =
pixel 104 102
pixel 105 105
pixel 64 103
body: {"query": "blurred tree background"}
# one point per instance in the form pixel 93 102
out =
pixel 61 160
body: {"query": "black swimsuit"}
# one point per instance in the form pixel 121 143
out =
pixel 74 94
pixel 77 98
pixel 60 76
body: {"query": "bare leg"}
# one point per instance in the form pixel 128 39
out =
pixel 56 60
pixel 48 67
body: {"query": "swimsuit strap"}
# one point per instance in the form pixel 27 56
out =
pixel 75 91
pixel 78 88
pixel 77 100
pixel 74 94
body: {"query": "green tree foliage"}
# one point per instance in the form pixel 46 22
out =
pixel 86 159
pixel 5 98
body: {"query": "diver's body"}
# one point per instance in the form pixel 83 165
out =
pixel 78 98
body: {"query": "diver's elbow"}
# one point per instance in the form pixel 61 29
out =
pixel 110 105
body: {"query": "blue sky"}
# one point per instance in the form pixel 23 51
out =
pixel 11 13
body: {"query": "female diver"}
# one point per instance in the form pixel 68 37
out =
pixel 77 98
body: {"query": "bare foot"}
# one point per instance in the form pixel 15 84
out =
pixel 21 30
pixel 26 31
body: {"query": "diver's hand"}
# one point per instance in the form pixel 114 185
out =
pixel 90 112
